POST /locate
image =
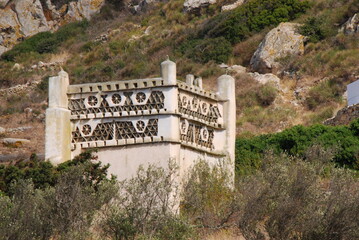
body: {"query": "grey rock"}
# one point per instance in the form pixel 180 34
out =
pixel 2 130
pixel 14 142
pixel 266 78
pixel 237 69
pixel 18 129
pixel 223 65
pixel 192 5
pixel 280 42
pixel 351 26
pixel 31 17
pixel 233 5
pixel 16 67
pixel 26 18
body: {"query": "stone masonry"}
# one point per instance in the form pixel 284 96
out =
pixel 140 122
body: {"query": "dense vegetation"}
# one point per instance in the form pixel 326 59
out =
pixel 43 174
pixel 295 141
pixel 252 17
pixel 286 198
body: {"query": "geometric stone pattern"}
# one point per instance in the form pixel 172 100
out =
pixel 198 108
pixel 115 130
pixel 192 133
pixel 117 102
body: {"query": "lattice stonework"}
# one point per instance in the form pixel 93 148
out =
pixel 201 136
pixel 196 107
pixel 119 102
pixel 115 130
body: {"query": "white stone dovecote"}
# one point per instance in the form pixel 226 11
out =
pixel 142 121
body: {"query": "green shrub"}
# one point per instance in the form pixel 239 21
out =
pixel 63 211
pixel 315 29
pixel 46 42
pixel 144 207
pixel 207 199
pixel 44 174
pixel 266 95
pixel 210 49
pixel 251 17
pixel 295 141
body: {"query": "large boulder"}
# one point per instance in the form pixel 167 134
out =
pixel 195 5
pixel 30 15
pixel 351 26
pixel 280 42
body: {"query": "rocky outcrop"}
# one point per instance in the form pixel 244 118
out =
pixel 344 116
pixel 233 5
pixel 280 42
pixel 266 78
pixel 351 26
pixel 20 19
pixel 195 5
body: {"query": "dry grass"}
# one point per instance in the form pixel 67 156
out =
pixel 224 234
pixel 36 134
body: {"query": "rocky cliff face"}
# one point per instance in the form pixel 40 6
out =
pixel 23 18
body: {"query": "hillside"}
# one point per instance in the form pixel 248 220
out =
pixel 294 177
pixel 129 39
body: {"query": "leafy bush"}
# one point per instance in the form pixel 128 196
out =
pixel 208 196
pixel 314 29
pixel 286 198
pixel 44 174
pixel 296 141
pixel 266 95
pixel 205 50
pixel 63 211
pixel 146 206
pixel 251 17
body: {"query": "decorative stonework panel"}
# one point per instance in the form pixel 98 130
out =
pixel 115 130
pixel 198 108
pixel 126 130
pixel 117 102
pixel 201 136
pixel 85 133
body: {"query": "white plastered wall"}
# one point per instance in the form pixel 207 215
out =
pixel 124 161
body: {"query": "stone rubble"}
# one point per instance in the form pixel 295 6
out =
pixel 19 89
